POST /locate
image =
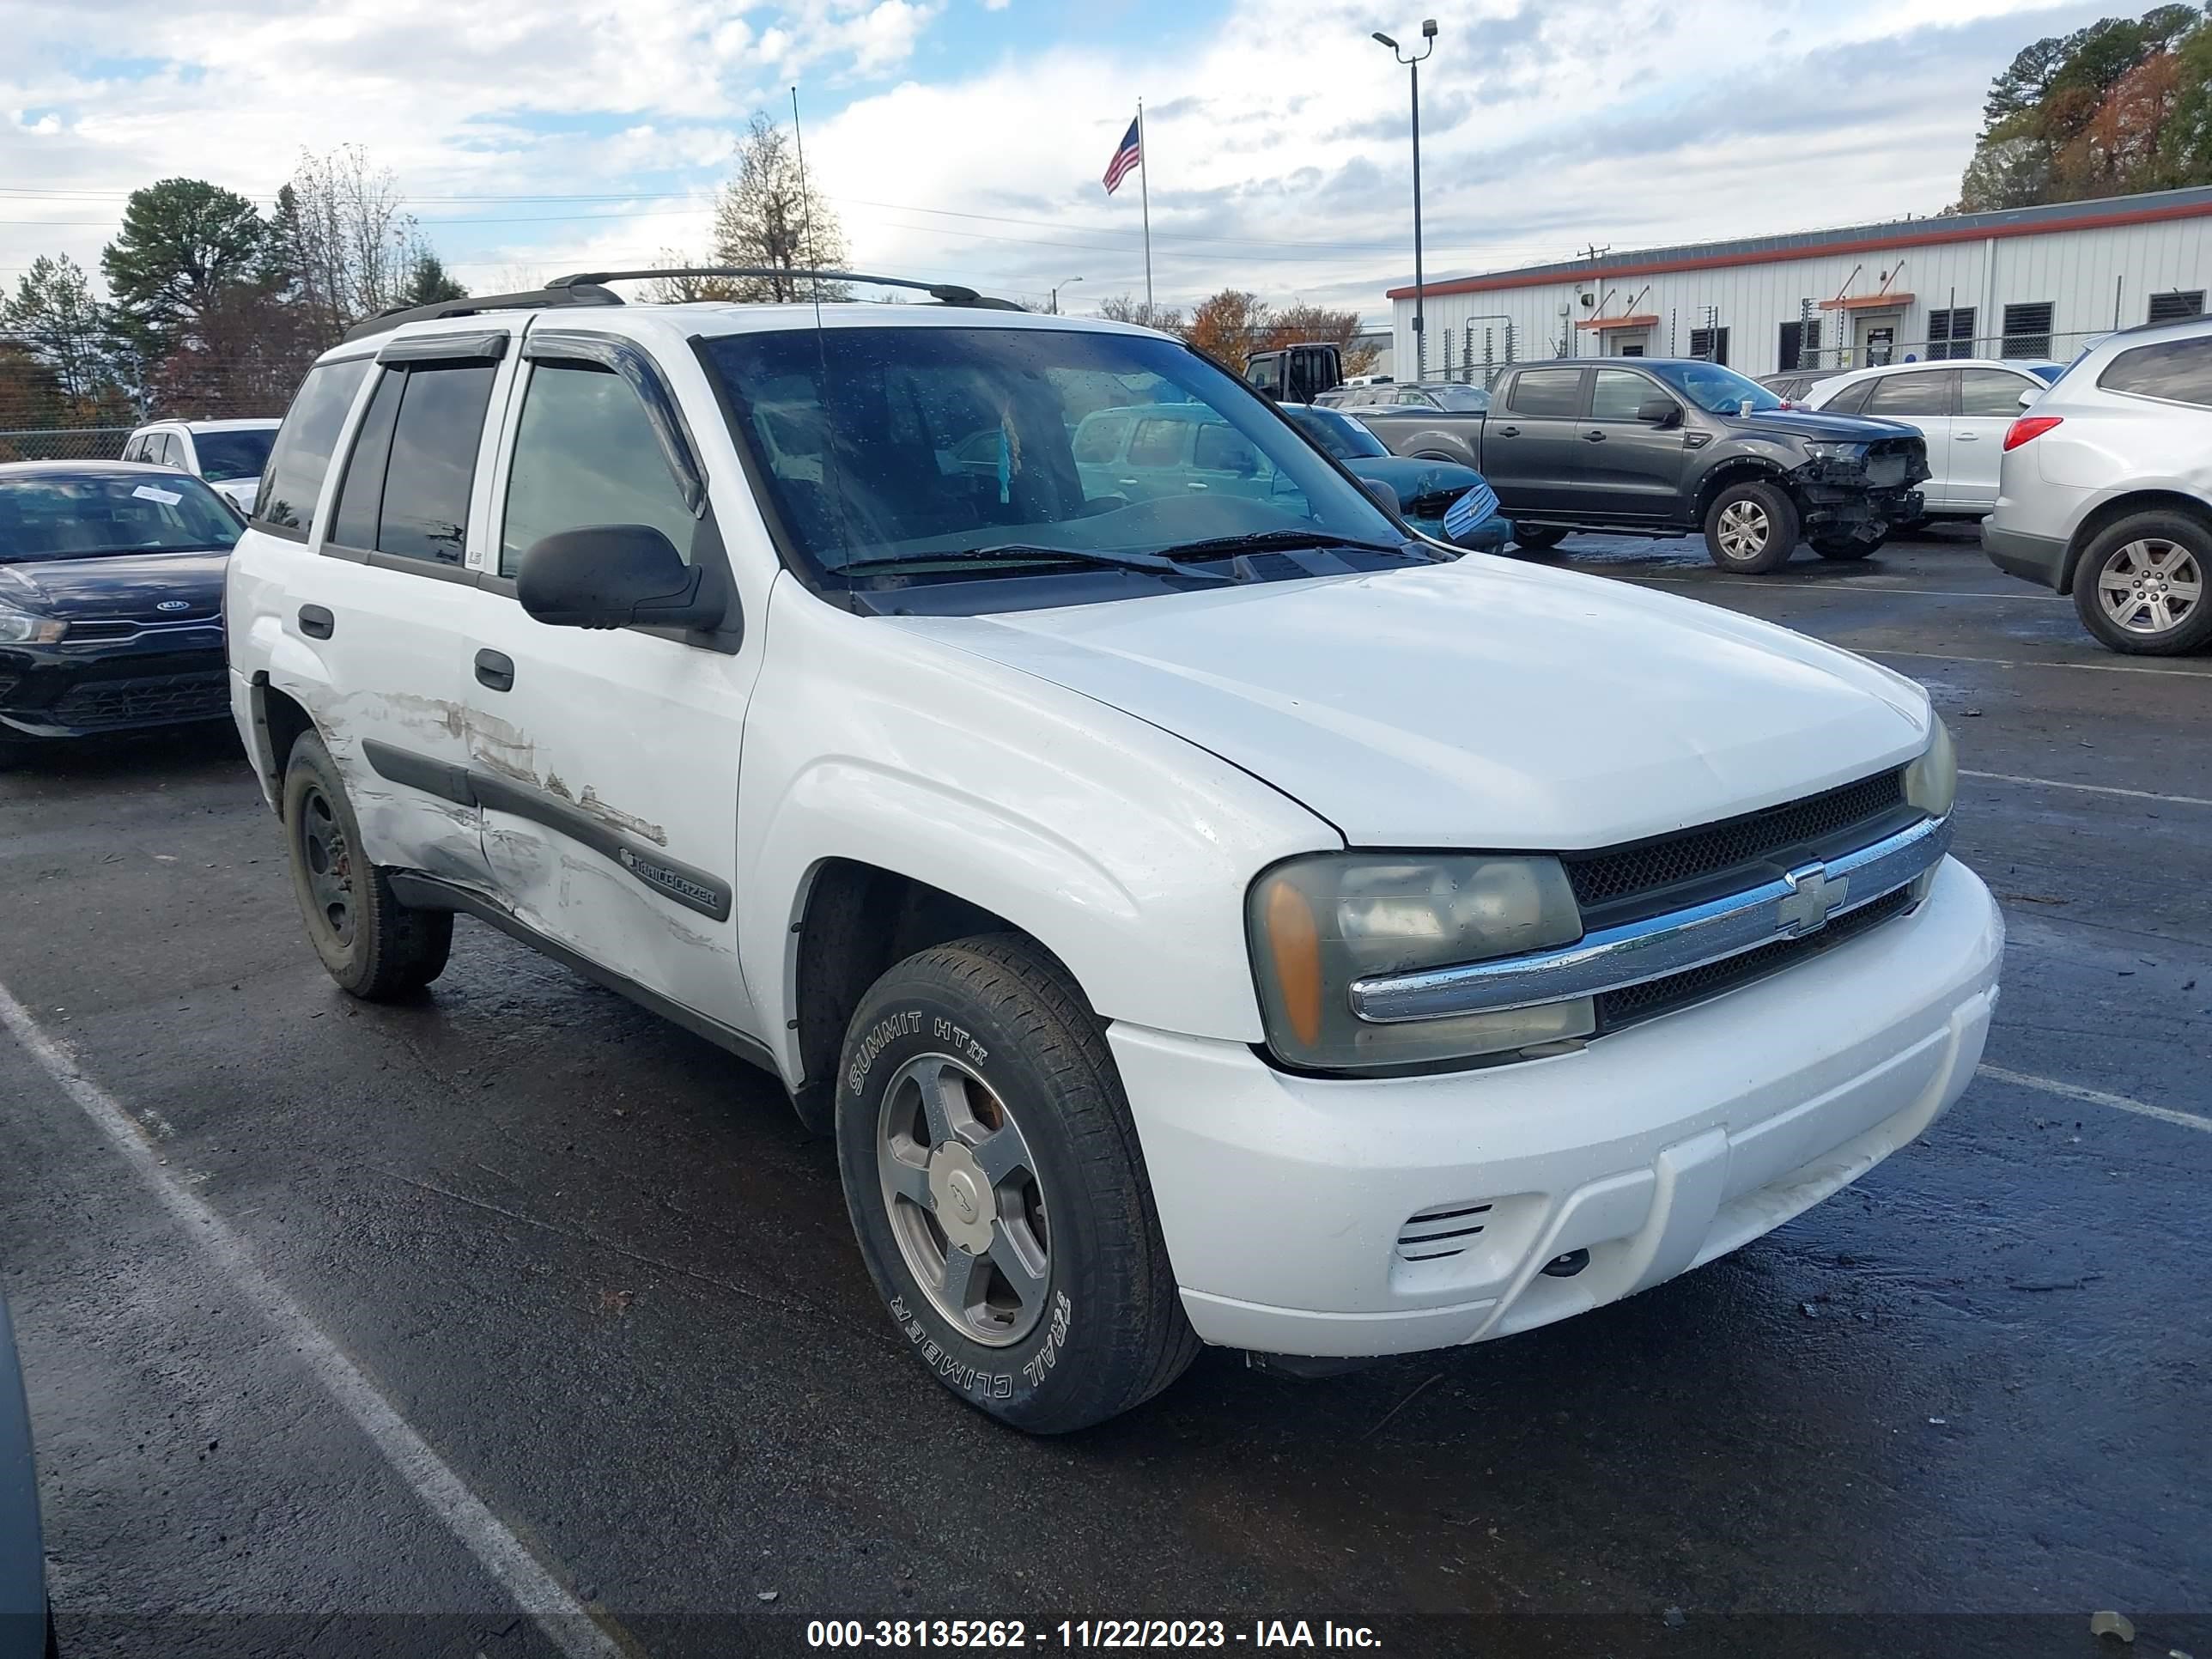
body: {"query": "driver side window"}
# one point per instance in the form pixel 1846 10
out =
pixel 585 454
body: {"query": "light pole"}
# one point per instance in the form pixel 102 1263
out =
pixel 1413 64
pixel 1069 283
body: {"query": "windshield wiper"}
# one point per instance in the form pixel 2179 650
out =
pixel 1028 553
pixel 1257 541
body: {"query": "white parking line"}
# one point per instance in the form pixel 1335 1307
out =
pixel 2023 662
pixel 559 1615
pixel 2099 1097
pixel 1838 586
pixel 2088 788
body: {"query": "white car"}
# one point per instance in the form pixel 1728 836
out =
pixel 1198 919
pixel 2106 489
pixel 228 454
pixel 1962 407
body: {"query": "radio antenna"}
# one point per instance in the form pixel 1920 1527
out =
pixel 806 196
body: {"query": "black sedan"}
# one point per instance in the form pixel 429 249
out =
pixel 111 601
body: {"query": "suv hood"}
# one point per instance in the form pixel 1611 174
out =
pixel 1476 704
pixel 119 585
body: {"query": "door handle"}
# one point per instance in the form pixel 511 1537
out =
pixel 1508 431
pixel 1194 483
pixel 316 623
pixel 496 669
pixel 1965 437
pixel 1593 436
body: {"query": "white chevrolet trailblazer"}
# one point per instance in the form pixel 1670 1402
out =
pixel 1202 911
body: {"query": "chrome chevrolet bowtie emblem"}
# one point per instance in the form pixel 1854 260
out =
pixel 1813 896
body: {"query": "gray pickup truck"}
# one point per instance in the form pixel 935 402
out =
pixel 1659 447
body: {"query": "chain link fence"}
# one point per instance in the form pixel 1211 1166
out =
pixel 64 443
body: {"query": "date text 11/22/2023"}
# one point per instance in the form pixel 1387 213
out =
pixel 1003 1633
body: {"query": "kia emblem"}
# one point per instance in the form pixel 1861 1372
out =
pixel 173 605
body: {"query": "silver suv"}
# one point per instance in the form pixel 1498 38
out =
pixel 2105 490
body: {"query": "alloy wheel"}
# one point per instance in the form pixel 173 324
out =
pixel 1744 528
pixel 962 1191
pixel 2150 586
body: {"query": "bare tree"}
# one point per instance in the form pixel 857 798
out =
pixel 1127 308
pixel 343 245
pixel 769 218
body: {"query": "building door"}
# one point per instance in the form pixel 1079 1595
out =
pixel 1875 336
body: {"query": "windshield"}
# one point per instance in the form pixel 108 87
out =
pixel 81 516
pixel 929 446
pixel 1339 435
pixel 228 455
pixel 1716 390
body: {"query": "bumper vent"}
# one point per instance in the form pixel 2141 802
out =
pixel 149 701
pixel 1448 1230
pixel 1835 821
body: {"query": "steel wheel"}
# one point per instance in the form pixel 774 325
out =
pixel 2150 586
pixel 961 1190
pixel 1744 529
pixel 327 858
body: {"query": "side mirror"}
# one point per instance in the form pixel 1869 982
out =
pixel 611 575
pixel 1660 411
pixel 1383 493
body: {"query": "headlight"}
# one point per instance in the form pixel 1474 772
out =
pixel 1931 783
pixel 1824 451
pixel 22 627
pixel 1317 924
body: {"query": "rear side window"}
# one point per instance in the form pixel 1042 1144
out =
pixel 1222 448
pixel 1991 391
pixel 302 454
pixel 1547 391
pixel 406 488
pixel 2179 371
pixel 1851 399
pixel 585 454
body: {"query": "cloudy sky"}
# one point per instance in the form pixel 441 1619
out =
pixel 961 140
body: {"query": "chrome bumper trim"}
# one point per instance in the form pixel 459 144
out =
pixel 1801 902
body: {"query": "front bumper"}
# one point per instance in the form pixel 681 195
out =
pixel 2039 559
pixel 1288 1203
pixel 1865 514
pixel 162 676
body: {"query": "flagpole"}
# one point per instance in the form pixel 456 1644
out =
pixel 1145 188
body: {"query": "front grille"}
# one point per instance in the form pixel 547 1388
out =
pixel 1448 1229
pixel 147 702
pixel 1828 823
pixel 102 631
pixel 1662 996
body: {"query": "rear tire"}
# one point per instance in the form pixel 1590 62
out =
pixel 1751 528
pixel 1538 538
pixel 995 1182
pixel 374 946
pixel 2142 585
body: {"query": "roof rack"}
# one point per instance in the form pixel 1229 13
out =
pixel 574 293
pixel 950 293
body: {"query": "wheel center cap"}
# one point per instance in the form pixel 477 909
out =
pixel 966 1205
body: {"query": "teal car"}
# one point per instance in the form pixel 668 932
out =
pixel 1426 490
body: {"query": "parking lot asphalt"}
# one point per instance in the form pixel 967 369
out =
pixel 580 1278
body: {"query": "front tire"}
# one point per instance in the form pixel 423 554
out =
pixel 2140 587
pixel 1751 528
pixel 374 946
pixel 992 1174
pixel 1538 538
pixel 1847 547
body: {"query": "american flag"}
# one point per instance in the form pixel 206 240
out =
pixel 1470 510
pixel 1124 158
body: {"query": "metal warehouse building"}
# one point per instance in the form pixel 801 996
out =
pixel 2030 283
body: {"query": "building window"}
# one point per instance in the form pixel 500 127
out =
pixel 1801 346
pixel 1951 333
pixel 2027 331
pixel 2173 307
pixel 1711 343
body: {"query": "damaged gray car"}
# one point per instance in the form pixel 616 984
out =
pixel 1659 447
